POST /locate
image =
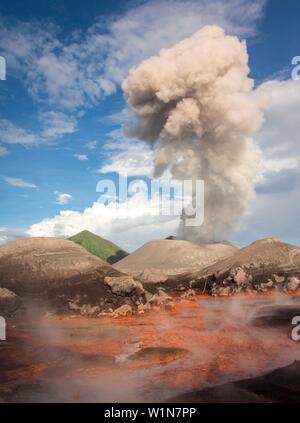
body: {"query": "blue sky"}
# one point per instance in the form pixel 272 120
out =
pixel 62 109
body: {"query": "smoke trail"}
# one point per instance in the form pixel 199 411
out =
pixel 196 107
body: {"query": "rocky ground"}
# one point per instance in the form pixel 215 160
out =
pixel 264 266
pixel 60 275
pixel 172 336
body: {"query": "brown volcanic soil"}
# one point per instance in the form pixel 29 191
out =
pixel 52 268
pixel 37 264
pixel 65 275
pixel 174 256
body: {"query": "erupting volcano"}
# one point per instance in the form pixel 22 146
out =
pixel 195 106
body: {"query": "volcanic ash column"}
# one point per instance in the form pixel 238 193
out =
pixel 196 107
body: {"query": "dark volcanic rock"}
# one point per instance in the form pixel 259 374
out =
pixel 279 386
pixel 277 315
pixel 158 354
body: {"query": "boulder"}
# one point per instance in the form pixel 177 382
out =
pixel 142 308
pixel 239 276
pixel 124 286
pixel 221 291
pixel 278 279
pixel 124 310
pixel 160 299
pixel 267 286
pixel 109 312
pixel 190 294
pixel 153 276
pixel 89 310
pixel 292 284
pixel 9 302
pixel 85 309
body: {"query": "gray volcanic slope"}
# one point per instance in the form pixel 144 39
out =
pixel 44 264
pixel 264 265
pixel 174 256
pixel 262 254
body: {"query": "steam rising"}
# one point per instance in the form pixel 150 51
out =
pixel 196 107
pixel 88 360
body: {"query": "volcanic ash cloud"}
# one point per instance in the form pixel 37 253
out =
pixel 196 107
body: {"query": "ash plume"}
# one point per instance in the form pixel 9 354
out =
pixel 196 107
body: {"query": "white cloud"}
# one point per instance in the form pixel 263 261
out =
pixel 11 134
pixel 275 209
pixel 18 182
pixel 278 139
pixel 128 224
pixel 81 157
pixel 272 214
pixel 56 125
pixel 3 151
pixel 144 30
pixel 91 145
pixel 62 198
pixel 126 156
pixel 11 234
pixel 80 71
pixel 119 118
pixel 278 164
